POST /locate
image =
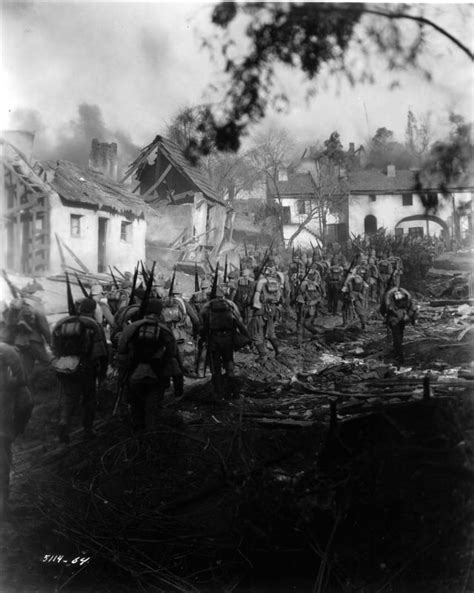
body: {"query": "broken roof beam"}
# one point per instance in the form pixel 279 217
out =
pixel 139 160
pixel 156 184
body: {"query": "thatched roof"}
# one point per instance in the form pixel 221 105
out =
pixel 82 186
pixel 175 156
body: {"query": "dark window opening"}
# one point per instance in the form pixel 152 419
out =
pixel 416 231
pixel 125 231
pixel 286 215
pixel 407 200
pixel 76 225
pixel 372 197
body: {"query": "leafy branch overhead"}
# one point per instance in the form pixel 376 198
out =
pixel 320 39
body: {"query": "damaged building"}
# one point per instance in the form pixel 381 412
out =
pixel 190 218
pixel 57 215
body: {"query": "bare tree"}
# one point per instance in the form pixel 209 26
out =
pixel 272 152
pixel 330 191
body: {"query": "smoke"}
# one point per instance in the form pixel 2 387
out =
pixel 72 141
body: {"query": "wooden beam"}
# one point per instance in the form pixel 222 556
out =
pixel 157 183
pixel 61 252
pixel 139 162
pixel 76 259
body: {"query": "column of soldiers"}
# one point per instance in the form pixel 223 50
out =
pixel 148 324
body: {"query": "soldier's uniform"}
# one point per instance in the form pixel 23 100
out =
pixel 15 411
pixel 354 291
pixel 385 273
pixel 198 300
pixel 220 321
pixel 147 357
pixel 333 287
pixel 398 308
pixel 245 287
pixel 266 312
pixel 373 279
pixel 80 348
pixel 28 330
pixel 308 302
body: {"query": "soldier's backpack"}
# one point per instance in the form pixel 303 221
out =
pixel 73 340
pixel 221 317
pixel 272 288
pixel 146 342
pixel 171 312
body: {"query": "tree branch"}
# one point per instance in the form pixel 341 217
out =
pixel 424 21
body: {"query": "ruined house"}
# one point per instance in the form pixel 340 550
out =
pixel 189 216
pixel 56 214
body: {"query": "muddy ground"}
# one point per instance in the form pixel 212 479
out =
pixel 334 471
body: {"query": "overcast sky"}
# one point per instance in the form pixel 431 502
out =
pixel 73 70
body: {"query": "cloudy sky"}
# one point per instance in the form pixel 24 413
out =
pixel 119 71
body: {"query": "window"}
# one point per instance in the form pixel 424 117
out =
pixel 372 197
pixel 416 231
pixel 125 231
pixel 407 200
pixel 286 215
pixel 300 207
pixel 76 225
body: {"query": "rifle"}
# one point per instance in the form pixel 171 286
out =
pixel 196 278
pixel 245 247
pixel 214 283
pixel 71 307
pixel 13 289
pixel 119 272
pixel 146 297
pixel 84 291
pixel 113 278
pixel 134 285
pixel 173 278
pixel 225 270
pixel 144 272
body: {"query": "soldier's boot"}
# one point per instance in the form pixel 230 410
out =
pixel 262 352
pixel 276 347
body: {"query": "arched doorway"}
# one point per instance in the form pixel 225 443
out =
pixel 370 224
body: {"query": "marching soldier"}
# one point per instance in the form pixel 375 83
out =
pixel 220 322
pixel 385 273
pixel 243 294
pixel 147 357
pixel 354 291
pixel 308 303
pixel 398 308
pixel 28 329
pixel 333 287
pixel 267 298
pixel 80 348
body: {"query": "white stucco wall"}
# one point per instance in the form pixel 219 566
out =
pixel 123 254
pixel 389 210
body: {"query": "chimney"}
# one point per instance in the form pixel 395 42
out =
pixel 351 147
pixel 282 175
pixel 103 159
pixel 22 140
pixel 391 171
